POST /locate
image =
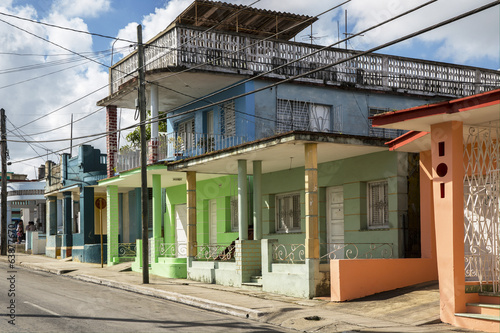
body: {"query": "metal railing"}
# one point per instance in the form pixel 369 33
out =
pixel 227 52
pixel 174 146
pixel 357 251
pixel 172 250
pixel 289 253
pixel 211 252
pixel 295 253
pixel 127 250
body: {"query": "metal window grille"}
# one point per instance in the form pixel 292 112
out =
pixel 337 118
pixel 288 213
pixel 228 117
pixel 378 204
pixel 482 206
pixel 292 115
pixel 234 214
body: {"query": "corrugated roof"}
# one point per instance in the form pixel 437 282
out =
pixel 238 18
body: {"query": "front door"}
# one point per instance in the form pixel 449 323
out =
pixel 335 221
pixel 181 231
pixel 212 211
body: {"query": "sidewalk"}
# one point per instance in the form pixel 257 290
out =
pixel 412 309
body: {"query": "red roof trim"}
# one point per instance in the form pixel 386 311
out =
pixel 405 139
pixel 453 106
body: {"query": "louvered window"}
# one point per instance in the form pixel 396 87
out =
pixel 288 215
pixel 228 119
pixel 185 131
pixel 234 214
pixel 378 204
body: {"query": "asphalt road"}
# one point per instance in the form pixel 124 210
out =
pixel 43 302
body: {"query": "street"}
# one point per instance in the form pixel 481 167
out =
pixel 43 302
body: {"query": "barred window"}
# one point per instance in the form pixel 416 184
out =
pixel 234 214
pixel 288 212
pixel 228 119
pixel 302 116
pixel 378 204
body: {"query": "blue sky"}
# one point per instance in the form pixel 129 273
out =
pixel 26 94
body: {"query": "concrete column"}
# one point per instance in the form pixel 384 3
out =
pixel 257 200
pixel 311 201
pixel 154 111
pixel 427 229
pixel 113 224
pixel 242 200
pixel 156 206
pixel 448 191
pixel 156 217
pixel 153 142
pixel 191 213
pixel 67 219
pixel 51 228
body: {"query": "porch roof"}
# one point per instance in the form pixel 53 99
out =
pixel 280 152
pixel 481 110
pixel 239 18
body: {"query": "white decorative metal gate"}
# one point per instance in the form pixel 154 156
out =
pixel 481 207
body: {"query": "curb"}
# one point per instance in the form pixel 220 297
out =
pixel 177 297
pixel 168 295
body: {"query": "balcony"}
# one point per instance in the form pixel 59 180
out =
pixel 233 53
pixel 177 146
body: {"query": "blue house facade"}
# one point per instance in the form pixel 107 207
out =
pixel 74 223
pixel 259 182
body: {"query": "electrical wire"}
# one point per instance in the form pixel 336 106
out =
pixel 354 56
pixel 358 54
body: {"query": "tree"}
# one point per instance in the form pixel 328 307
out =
pixel 134 137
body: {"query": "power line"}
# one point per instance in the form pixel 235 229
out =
pixel 435 26
pixel 66 28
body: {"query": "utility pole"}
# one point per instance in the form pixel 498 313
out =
pixel 3 207
pixel 144 179
pixel 71 140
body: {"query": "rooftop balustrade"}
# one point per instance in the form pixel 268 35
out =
pixel 217 51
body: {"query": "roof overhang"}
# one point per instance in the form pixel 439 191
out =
pixel 278 153
pixel 482 110
pixel 477 110
pixel 176 87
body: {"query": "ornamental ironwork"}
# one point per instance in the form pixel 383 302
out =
pixel 358 251
pixel 126 250
pixel 481 206
pixel 289 253
pixel 177 250
pixel 215 252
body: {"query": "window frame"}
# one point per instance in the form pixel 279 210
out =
pixel 287 229
pixel 233 205
pixel 370 204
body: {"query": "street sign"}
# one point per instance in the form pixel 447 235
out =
pixel 100 203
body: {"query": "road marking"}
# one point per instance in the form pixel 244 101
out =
pixel 43 309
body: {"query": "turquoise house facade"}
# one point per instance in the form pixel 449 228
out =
pixel 74 223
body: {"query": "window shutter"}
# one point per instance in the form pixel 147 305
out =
pixel 234 214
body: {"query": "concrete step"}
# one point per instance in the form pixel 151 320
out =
pixel 484 309
pixel 478 316
pixel 256 279
pixel 251 286
pixel 489 298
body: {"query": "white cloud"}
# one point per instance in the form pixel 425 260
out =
pixel 32 58
pixel 81 8
pixel 472 38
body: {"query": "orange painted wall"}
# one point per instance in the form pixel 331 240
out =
pixel 427 228
pixel 449 216
pixel 349 277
